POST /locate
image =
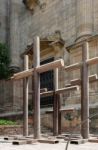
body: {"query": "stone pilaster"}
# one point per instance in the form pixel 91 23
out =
pixel 84 18
pixel 14 36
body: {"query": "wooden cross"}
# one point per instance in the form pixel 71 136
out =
pixel 36 72
pixel 84 86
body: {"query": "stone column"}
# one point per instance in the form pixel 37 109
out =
pixel 14 36
pixel 84 18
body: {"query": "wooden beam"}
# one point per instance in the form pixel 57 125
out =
pixel 59 91
pixel 36 62
pixel 23 74
pixel 67 109
pixel 67 85
pixel 55 104
pixel 25 99
pixel 55 114
pixel 62 90
pixel 75 82
pixel 48 93
pixel 62 110
pixel 59 115
pixel 39 69
pixel 50 66
pixel 41 91
pixel 92 61
pixel 73 66
pixel 85 93
pixel 92 78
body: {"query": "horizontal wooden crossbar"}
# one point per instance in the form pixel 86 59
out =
pixel 50 66
pixel 59 91
pixel 73 66
pixel 23 74
pixel 43 68
pixel 62 90
pixel 92 61
pixel 62 110
pixel 92 78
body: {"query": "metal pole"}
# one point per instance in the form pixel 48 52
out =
pixel 25 99
pixel 85 92
pixel 36 60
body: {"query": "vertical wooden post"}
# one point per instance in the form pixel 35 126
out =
pixel 55 104
pixel 36 62
pixel 25 99
pixel 85 93
pixel 59 115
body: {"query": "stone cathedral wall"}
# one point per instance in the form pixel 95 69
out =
pixel 74 20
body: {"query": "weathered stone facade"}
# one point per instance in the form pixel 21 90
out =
pixel 69 20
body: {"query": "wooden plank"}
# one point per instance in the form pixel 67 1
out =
pixel 92 61
pixel 50 141
pixel 73 66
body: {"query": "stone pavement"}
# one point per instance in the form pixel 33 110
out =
pixel 7 145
